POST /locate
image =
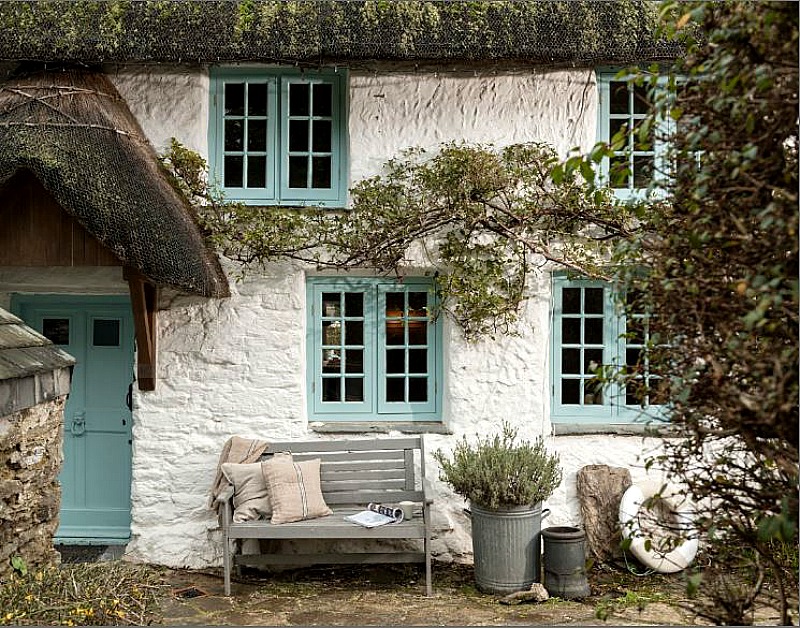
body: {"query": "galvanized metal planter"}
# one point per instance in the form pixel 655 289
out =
pixel 506 546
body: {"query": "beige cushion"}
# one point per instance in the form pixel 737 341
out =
pixel 294 489
pixel 250 491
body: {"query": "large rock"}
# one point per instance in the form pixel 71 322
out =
pixel 600 489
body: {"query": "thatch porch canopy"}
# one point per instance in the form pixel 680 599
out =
pixel 73 131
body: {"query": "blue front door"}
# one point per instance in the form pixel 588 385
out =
pixel 96 475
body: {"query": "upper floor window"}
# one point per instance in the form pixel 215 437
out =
pixel 279 136
pixel 591 331
pixel 622 109
pixel 374 350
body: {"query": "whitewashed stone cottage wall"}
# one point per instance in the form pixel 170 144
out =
pixel 236 366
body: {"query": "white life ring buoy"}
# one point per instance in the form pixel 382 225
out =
pixel 676 517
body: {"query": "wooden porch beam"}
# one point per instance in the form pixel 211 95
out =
pixel 144 299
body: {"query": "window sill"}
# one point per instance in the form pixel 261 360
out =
pixel 379 427
pixel 658 430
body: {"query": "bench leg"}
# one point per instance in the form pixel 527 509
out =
pixel 226 560
pixel 427 548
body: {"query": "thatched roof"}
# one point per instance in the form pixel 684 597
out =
pixel 25 352
pixel 74 132
pixel 543 32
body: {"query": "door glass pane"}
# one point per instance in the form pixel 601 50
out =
pixel 643 169
pixel 418 304
pixel 323 99
pixel 641 102
pixel 395 361
pixel 257 99
pixel 395 332
pixel 418 389
pixel 619 171
pixel 395 303
pixel 105 332
pixel 331 333
pixel 298 99
pixel 354 333
pixel 417 360
pixel 56 330
pixel 354 304
pixel 395 389
pixel 571 331
pixel 593 393
pixel 234 99
pixel 593 331
pixel 354 361
pixel 615 125
pixel 417 332
pixel 592 360
pixel 594 301
pixel 619 97
pixel 354 389
pixel 571 361
pixel 571 300
pixel 331 389
pixel 331 304
pixel 330 361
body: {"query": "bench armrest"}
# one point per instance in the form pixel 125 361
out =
pixel 225 495
pixel 427 491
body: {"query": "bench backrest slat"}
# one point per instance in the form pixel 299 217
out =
pixel 360 471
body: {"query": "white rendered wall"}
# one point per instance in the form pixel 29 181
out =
pixel 237 365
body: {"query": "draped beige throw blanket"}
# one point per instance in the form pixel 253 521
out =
pixel 239 450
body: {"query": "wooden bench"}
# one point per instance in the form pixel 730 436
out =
pixel 353 473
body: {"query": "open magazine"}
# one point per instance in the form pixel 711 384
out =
pixel 376 515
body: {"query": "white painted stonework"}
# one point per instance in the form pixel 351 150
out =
pixel 237 365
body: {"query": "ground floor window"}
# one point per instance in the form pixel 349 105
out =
pixel 593 331
pixel 374 350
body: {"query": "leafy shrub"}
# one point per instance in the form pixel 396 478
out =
pixel 496 471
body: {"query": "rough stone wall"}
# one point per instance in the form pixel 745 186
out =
pixel 30 459
pixel 237 365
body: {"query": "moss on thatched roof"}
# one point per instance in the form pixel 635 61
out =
pixel 551 32
pixel 75 133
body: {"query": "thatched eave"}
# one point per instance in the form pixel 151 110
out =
pixel 75 134
pixel 429 32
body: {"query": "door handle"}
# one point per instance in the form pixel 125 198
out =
pixel 78 424
pixel 129 397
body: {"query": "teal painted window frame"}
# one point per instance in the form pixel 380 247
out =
pixel 277 190
pixel 604 134
pixel 613 409
pixel 375 406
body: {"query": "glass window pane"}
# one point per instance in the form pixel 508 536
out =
pixel 634 393
pixel 659 391
pixel 593 331
pixel 395 389
pixel 354 361
pixel 615 126
pixel 641 101
pixel 234 135
pixel 593 393
pixel 322 136
pixel 331 361
pixel 234 99
pixel 395 361
pixel 619 97
pixel 643 170
pixel 571 300
pixel 234 172
pixel 592 360
pixel 257 99
pixel 298 99
pixel 321 173
pixel 354 333
pixel 418 389
pixel 354 389
pixel 571 331
pixel 331 304
pixel 298 136
pixel 105 332
pixel 634 330
pixel 331 333
pixel 354 304
pixel 395 303
pixel 257 135
pixel 417 303
pixel 633 359
pixel 331 389
pixel 395 332
pixel 257 172
pixel 593 301
pixel 417 360
pixel 323 99
pixel 298 172
pixel 417 332
pixel 570 391
pixel 56 330
pixel 571 361
pixel 619 171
